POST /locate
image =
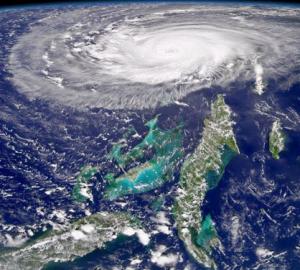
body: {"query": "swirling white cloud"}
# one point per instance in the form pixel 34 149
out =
pixel 143 56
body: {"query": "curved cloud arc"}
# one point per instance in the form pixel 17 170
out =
pixel 143 56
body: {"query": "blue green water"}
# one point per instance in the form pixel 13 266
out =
pixel 167 151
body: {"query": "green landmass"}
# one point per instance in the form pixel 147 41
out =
pixel 81 191
pixel 70 242
pixel 277 139
pixel 201 172
pixel 166 146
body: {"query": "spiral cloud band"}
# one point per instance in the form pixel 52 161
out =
pixel 138 56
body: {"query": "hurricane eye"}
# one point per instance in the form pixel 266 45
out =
pixel 158 51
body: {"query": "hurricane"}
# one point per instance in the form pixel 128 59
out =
pixel 138 56
pixel 150 135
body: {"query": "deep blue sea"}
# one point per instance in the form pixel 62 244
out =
pixel 43 146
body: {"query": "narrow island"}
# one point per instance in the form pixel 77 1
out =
pixel 200 172
pixel 277 139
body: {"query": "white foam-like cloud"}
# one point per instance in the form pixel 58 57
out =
pixel 143 237
pixel 139 56
pixel 162 258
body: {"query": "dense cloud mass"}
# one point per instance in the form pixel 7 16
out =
pixel 144 55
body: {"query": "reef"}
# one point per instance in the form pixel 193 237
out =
pixel 166 151
pixel 200 172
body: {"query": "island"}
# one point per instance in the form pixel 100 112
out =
pixel 71 241
pixel 81 191
pixel 165 148
pixel 202 171
pixel 277 139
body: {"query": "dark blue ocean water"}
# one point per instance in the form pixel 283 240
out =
pixel 43 146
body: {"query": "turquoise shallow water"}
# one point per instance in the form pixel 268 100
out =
pixel 213 177
pixel 206 233
pixel 253 189
pixel 167 151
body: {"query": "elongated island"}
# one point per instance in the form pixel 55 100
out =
pixel 200 172
pixel 277 139
pixel 71 241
